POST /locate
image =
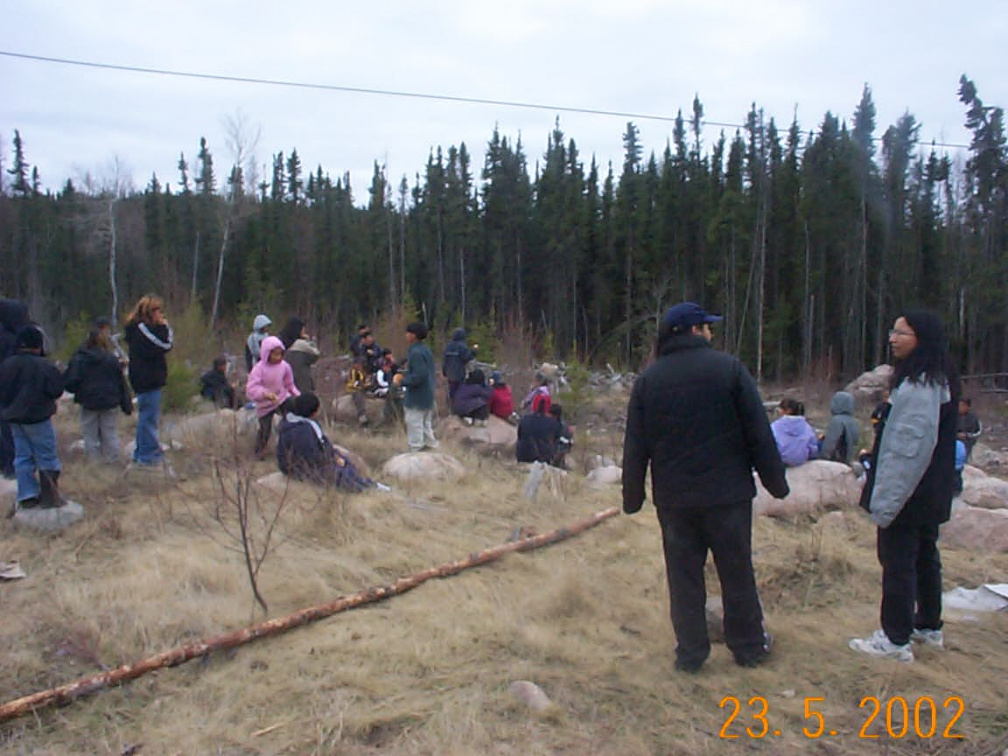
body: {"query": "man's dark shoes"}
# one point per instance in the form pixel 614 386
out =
pixel 31 503
pixel 758 658
pixel 689 667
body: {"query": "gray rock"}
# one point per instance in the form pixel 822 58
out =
pixel 424 466
pixel 530 694
pixel 50 520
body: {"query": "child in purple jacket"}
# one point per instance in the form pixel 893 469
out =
pixel 796 439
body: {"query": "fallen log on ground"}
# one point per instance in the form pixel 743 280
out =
pixel 69 692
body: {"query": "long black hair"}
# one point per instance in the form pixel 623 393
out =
pixel 930 361
pixel 291 332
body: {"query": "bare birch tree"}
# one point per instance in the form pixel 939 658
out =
pixel 242 142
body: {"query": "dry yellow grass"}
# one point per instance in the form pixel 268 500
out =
pixel 428 672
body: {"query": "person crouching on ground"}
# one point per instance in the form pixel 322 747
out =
pixel 29 388
pixel 304 452
pixel 270 385
pixel 796 439
pixel 215 386
pixel 538 396
pixel 95 378
pixel 472 399
pixel 502 402
pixel 537 435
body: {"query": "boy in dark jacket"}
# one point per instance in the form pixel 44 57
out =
pixel 305 453
pixel 457 356
pixel 537 437
pixel 215 386
pixel 96 380
pixel 29 388
pixel 418 381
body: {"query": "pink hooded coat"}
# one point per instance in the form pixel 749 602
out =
pixel 266 378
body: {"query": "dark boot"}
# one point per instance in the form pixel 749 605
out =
pixel 49 497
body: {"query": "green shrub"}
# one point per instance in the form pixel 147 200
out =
pixel 182 386
pixel 73 337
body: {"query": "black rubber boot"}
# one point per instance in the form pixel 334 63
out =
pixel 49 498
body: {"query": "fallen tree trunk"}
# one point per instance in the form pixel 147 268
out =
pixel 71 691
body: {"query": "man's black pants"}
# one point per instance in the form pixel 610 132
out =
pixel 911 580
pixel 687 535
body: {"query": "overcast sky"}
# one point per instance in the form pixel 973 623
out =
pixel 630 56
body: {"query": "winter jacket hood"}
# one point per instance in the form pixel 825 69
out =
pixel 458 334
pixel 268 345
pixel 13 315
pixel 261 321
pixel 842 403
pixel 841 438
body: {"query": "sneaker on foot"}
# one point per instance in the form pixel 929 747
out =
pixel 382 487
pixel 878 644
pixel 754 660
pixel 933 638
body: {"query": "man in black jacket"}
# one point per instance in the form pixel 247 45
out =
pixel 696 417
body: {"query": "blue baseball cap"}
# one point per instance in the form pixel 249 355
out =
pixel 688 314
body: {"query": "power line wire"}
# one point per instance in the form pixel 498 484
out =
pixel 379 92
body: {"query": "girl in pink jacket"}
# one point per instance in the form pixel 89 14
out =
pixel 271 386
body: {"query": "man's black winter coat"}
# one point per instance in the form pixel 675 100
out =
pixel 696 417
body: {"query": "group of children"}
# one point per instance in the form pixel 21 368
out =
pixel 280 385
pixel 798 442
pixel 30 385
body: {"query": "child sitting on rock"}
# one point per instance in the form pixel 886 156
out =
pixel 796 439
pixel 215 386
pixel 502 402
pixel 471 400
pixel 305 453
pixel 29 388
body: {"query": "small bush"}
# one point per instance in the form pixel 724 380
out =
pixel 182 386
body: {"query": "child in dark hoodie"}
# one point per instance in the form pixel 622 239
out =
pixel 840 441
pixel 472 399
pixel 304 452
pixel 29 388
pixel 95 378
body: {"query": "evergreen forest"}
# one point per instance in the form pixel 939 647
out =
pixel 809 242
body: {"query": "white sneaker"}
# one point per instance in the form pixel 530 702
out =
pixel 382 486
pixel 933 638
pixel 878 644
